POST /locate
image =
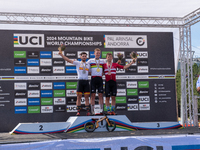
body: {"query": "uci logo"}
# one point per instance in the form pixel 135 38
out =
pixel 28 40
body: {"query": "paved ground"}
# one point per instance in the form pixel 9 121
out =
pixel 7 138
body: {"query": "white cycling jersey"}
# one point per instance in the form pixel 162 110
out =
pixel 94 65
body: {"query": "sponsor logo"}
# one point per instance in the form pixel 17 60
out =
pixel 143 84
pixel 140 41
pixel 46 101
pixel 144 106
pixel 45 62
pixel 20 62
pixel 142 62
pixel 20 70
pixel 132 91
pixel 46 109
pixel 118 70
pixel 132 107
pixel 59 101
pixel 143 54
pixel 46 93
pixel 45 54
pixel 32 54
pixel 35 93
pixel 127 55
pixel 121 92
pixel 132 99
pixel 20 110
pixel 121 85
pixel 79 52
pixel 21 94
pixel 120 99
pixel 143 92
pixel 33 86
pixel 59 108
pixel 20 102
pixel 19 54
pixel 59 85
pixel 72 100
pixel 46 85
pixel 71 93
pixel 33 101
pixel 56 55
pixel 131 84
pixel 71 69
pixel 92 54
pixel 45 69
pixel 71 108
pixel 71 54
pixel 58 62
pixel 120 107
pixel 132 69
pixel 144 99
pixel 58 70
pixel 69 64
pixel 59 93
pixel 28 40
pixel 105 52
pixel 20 86
pixel 33 109
pixel 33 69
pixel 71 85
pixel 143 69
pixel 33 62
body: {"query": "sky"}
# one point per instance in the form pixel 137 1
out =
pixel 195 39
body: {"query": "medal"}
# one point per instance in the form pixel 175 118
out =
pixel 84 71
pixel 84 66
pixel 98 70
pixel 109 68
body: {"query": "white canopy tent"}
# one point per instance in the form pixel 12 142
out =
pixel 175 16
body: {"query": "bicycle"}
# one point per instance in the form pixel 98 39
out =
pixel 94 124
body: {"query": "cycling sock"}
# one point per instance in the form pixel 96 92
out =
pixel 112 108
pixel 108 108
pixel 78 108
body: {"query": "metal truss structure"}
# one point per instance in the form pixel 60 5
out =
pixel 183 23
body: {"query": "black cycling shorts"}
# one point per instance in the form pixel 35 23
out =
pixel 83 87
pixel 111 88
pixel 96 83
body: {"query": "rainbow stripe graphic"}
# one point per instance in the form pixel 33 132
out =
pixel 15 39
pixel 104 41
pixel 47 132
pixel 78 127
pixel 8 78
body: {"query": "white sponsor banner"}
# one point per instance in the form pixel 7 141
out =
pixel 33 70
pixel 132 107
pixel 116 53
pixel 142 54
pixel 131 84
pixel 34 93
pixel 71 93
pixel 29 40
pixel 125 41
pixel 143 69
pixel 144 99
pixel 46 85
pixel 59 101
pixel 58 69
pixel 144 106
pixel 46 109
pixel 121 92
pixel 79 52
pixel 56 55
pixel 45 62
pixel 71 108
pixel 20 86
pixel 20 102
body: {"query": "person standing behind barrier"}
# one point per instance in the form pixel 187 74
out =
pixel 96 78
pixel 110 84
pixel 82 69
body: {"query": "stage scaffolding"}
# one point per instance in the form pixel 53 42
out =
pixel 188 104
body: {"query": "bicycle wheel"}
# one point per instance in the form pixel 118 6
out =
pixel 89 126
pixel 112 126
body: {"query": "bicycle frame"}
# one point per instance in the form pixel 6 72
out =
pixel 101 119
